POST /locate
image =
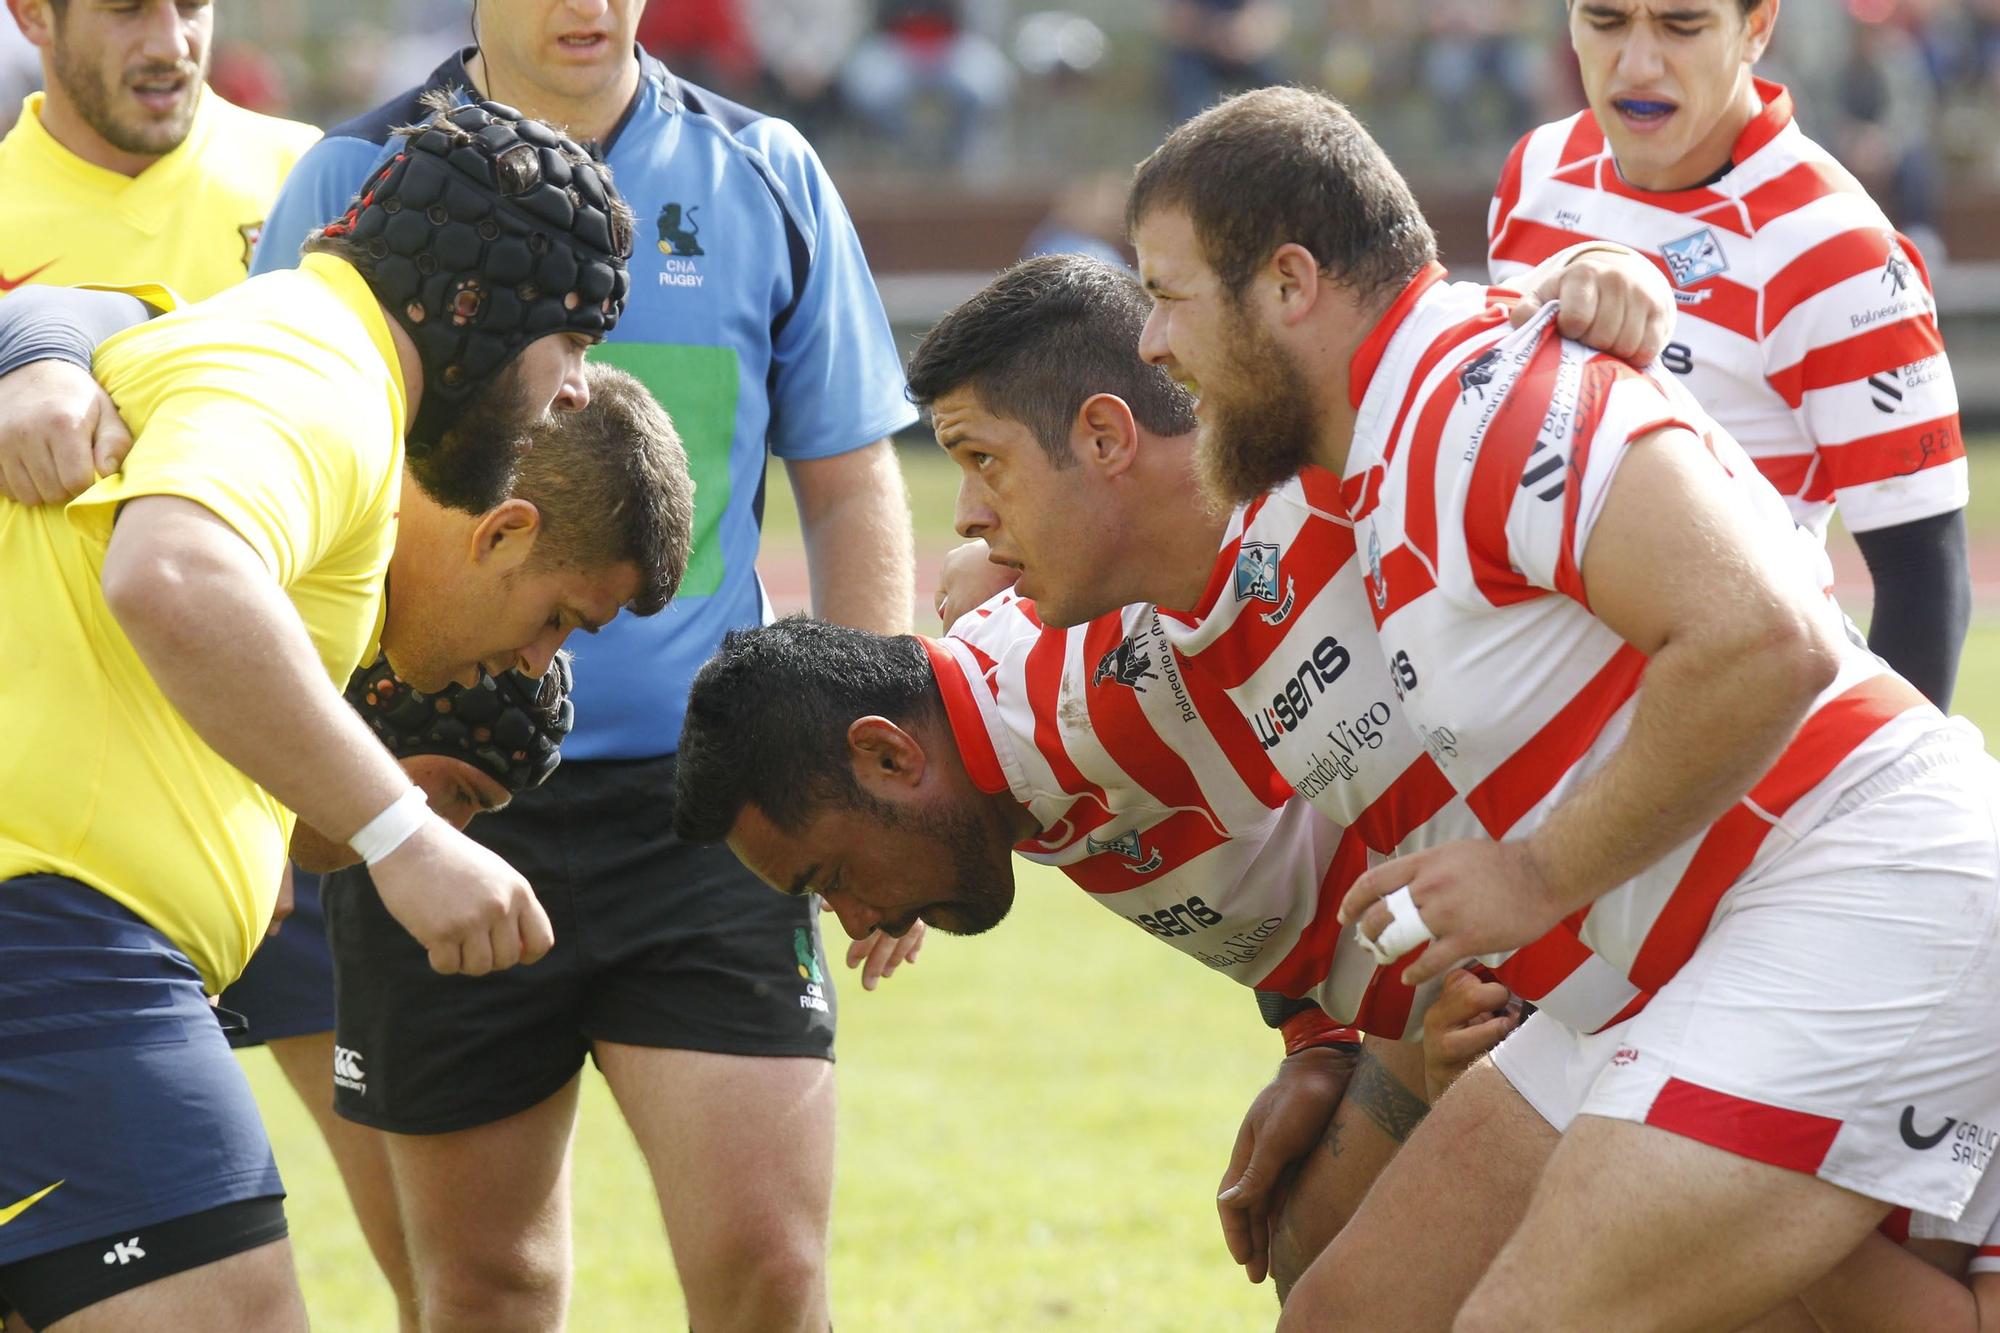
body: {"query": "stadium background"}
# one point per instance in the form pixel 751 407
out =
pixel 1032 1123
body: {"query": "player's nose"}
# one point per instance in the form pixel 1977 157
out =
pixel 971 515
pixel 857 919
pixel 1153 340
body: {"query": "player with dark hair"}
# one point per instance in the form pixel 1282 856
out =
pixel 263 506
pixel 1807 325
pixel 1574 574
pixel 763 337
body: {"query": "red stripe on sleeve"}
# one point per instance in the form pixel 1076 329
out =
pixel 967 722
pixel 1510 439
pixel 1532 772
pixel 1895 453
pixel 1871 353
pixel 1732 842
pixel 1794 1140
pixel 1825 265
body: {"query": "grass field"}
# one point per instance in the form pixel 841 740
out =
pixel 1031 1124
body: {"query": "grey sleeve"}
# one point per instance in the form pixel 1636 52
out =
pixel 62 324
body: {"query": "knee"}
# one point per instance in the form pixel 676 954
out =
pixel 758 1281
pixel 504 1291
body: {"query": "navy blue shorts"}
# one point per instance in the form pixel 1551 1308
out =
pixel 121 1105
pixel 287 991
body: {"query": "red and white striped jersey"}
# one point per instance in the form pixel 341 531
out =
pixel 1285 631
pixel 1157 800
pixel 1480 461
pixel 1807 326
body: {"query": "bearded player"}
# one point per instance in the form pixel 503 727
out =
pixel 1807 326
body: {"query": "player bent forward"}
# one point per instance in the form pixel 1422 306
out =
pixel 1619 649
pixel 186 626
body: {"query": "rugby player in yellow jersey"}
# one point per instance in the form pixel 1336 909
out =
pixel 177 637
pixel 129 168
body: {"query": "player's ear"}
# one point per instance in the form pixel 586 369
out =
pixel 1105 434
pixel 1763 22
pixel 1293 281
pixel 887 759
pixel 36 20
pixel 504 537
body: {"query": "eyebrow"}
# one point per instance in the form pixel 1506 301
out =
pixel 1666 16
pixel 802 882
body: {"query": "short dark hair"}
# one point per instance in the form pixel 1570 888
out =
pixel 1279 166
pixel 612 486
pixel 1040 340
pixel 767 721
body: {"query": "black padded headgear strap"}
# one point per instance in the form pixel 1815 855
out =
pixel 486 231
pixel 510 727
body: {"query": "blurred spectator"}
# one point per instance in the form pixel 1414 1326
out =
pixel 924 60
pixel 801 46
pixel 707 41
pixel 1218 47
pixel 1087 218
pixel 1479 48
pixel 1887 109
pixel 246 75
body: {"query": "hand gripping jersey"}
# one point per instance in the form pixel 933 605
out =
pixel 1481 457
pixel 1806 328
pixel 1284 632
pixel 190 220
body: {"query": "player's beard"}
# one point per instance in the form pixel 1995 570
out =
pixel 128 129
pixel 1259 430
pixel 472 464
pixel 974 843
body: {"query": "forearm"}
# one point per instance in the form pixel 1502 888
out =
pixel 1883 1288
pixel 1923 600
pixel 193 597
pixel 1712 717
pixel 855 517
pixel 62 324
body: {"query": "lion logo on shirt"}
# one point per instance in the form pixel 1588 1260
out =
pixel 677 234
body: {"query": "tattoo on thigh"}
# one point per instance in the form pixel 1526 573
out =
pixel 1331 1141
pixel 1384 1099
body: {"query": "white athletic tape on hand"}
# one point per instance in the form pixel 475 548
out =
pixel 393 827
pixel 1405 931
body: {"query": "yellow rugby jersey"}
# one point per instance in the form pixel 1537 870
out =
pixel 189 220
pixel 278 405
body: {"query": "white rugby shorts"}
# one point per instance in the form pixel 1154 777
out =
pixel 1842 1015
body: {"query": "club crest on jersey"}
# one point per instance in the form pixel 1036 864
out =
pixel 1257 579
pixel 1375 579
pixel 678 242
pixel 1695 258
pixel 1127 664
pixel 1126 845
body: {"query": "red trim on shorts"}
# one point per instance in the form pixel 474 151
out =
pixel 1856 358
pixel 1368 357
pixel 1732 842
pixel 1896 1226
pixel 1309 1028
pixel 1795 1140
pixel 1532 772
pixel 967 722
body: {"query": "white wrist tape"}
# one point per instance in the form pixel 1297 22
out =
pixel 393 827
pixel 1405 931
